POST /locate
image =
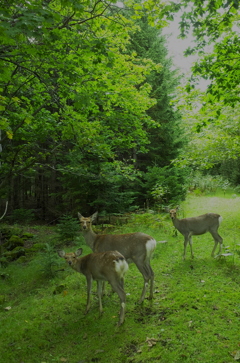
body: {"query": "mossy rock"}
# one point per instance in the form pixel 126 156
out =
pixel 15 253
pixel 3 262
pixel 15 231
pixel 14 241
pixel 27 235
pixel 36 248
pixel 22 259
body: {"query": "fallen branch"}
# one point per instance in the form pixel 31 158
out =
pixel 5 210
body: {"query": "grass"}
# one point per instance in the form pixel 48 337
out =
pixel 194 315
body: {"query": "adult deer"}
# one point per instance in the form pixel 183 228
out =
pixel 108 266
pixel 135 247
pixel 195 226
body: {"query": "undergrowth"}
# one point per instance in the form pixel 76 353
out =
pixel 194 316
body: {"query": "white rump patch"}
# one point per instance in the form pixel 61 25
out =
pixel 150 247
pixel 220 219
pixel 121 267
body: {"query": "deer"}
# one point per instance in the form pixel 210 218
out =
pixel 196 226
pixel 108 266
pixel 135 247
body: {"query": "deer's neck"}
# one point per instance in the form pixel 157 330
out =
pixel 77 265
pixel 176 222
pixel 89 237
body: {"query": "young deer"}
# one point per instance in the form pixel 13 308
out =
pixel 135 247
pixel 195 226
pixel 108 266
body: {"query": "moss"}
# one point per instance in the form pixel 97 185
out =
pixel 15 253
pixel 36 248
pixel 22 259
pixel 27 235
pixel 14 241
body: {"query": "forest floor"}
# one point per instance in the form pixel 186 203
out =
pixel 194 316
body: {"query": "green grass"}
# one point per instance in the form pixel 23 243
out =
pixel 194 317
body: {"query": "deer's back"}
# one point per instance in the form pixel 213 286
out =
pixel 199 225
pixel 127 244
pixel 102 265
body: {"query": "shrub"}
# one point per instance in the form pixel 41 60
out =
pixel 22 216
pixel 208 183
pixel 49 261
pixel 68 228
pixel 166 186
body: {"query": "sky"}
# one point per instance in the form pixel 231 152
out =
pixel 176 48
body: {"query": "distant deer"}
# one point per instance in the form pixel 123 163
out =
pixel 195 226
pixel 108 266
pixel 135 247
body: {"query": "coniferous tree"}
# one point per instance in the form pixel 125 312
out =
pixel 165 140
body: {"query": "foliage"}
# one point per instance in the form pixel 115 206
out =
pixel 194 315
pixel 64 123
pixel 68 228
pixel 165 136
pixel 167 186
pixel 48 261
pixel 207 183
pixel 215 26
pixel 22 216
pixel 213 142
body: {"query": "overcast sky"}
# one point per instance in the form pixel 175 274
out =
pixel 176 48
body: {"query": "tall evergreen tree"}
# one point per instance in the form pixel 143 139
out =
pixel 165 136
pixel 166 139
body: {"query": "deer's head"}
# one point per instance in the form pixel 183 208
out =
pixel 173 213
pixel 71 257
pixel 86 222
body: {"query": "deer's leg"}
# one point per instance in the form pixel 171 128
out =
pixel 89 287
pixel 122 283
pixel 220 246
pixel 117 286
pixel 151 281
pixel 214 248
pixel 190 243
pixel 148 274
pixel 217 239
pixel 103 288
pixel 99 292
pixel 185 246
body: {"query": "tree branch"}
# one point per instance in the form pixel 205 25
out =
pixel 5 210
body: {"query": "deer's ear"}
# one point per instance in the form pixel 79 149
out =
pixel 79 215
pixel 78 252
pixel 94 216
pixel 61 253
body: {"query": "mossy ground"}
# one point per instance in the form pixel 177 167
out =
pixel 194 317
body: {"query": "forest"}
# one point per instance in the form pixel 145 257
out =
pixel 95 116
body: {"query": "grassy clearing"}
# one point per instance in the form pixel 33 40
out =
pixel 194 316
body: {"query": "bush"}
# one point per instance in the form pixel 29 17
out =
pixel 68 228
pixel 207 183
pixel 22 216
pixel 166 186
pixel 49 261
